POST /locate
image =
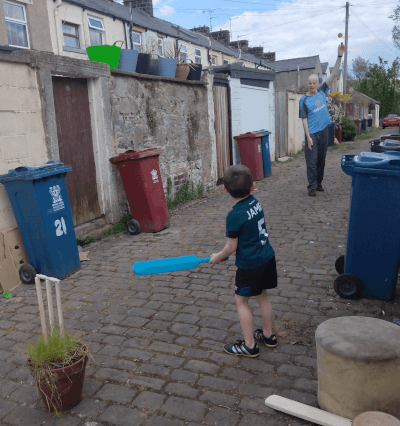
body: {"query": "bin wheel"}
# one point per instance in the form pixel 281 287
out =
pixel 133 227
pixel 348 286
pixel 383 127
pixel 27 273
pixel 339 265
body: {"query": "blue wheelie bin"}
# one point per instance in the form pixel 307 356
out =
pixel 39 199
pixel 265 152
pixel 372 259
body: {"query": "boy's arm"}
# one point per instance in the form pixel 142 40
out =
pixel 229 248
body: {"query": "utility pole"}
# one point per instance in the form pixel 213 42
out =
pixel 345 57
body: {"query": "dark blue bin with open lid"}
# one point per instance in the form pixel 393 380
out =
pixel 372 259
pixel 266 155
pixel 40 203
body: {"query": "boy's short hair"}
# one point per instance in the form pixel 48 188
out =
pixel 237 181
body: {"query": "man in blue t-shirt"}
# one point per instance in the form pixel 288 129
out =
pixel 316 119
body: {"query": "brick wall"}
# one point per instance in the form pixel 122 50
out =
pixel 222 36
pixel 145 5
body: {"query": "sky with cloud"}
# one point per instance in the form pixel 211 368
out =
pixel 294 28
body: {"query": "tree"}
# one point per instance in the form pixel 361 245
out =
pixel 396 28
pixel 360 67
pixel 380 83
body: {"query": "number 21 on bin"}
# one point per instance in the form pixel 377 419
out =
pixel 61 227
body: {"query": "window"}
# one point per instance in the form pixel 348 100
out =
pixel 226 62
pixel 197 56
pixel 96 31
pixel 136 40
pixel 213 61
pixel 160 46
pixel 70 34
pixel 17 29
pixel 183 52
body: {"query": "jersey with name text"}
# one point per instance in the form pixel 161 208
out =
pixel 246 222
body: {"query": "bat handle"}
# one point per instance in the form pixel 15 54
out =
pixel 207 259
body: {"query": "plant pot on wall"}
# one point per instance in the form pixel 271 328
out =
pixel 195 72
pixel 154 66
pixel 167 67
pixel 143 63
pixel 128 60
pixel 182 71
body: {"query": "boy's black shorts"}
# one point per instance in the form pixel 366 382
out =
pixel 252 282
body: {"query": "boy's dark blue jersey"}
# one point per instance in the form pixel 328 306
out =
pixel 247 223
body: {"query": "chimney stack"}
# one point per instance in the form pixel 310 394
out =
pixel 144 5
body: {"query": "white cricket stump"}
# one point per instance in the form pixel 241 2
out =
pixel 358 360
pixel 49 281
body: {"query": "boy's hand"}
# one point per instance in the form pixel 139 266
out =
pixel 213 259
pixel 310 143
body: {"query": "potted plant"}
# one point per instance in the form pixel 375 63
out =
pixel 58 368
pixel 57 361
pixel 152 49
pixel 143 62
pixel 168 63
pixel 182 67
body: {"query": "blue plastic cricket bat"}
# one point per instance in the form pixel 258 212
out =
pixel 169 264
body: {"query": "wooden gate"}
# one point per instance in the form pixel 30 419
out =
pixel 75 143
pixel 281 123
pixel 222 132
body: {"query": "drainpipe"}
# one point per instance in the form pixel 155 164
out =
pixel 59 47
pixel 298 77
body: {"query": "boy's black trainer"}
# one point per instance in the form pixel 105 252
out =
pixel 240 349
pixel 271 341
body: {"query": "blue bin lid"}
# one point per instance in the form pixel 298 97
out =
pixel 264 132
pixel 387 163
pixel 35 172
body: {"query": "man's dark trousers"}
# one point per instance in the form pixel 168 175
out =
pixel 315 158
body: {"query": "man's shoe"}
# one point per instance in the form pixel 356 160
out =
pixel 312 192
pixel 319 188
pixel 270 342
pixel 240 349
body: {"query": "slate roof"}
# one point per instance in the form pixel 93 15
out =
pixel 339 73
pixel 143 20
pixel 306 63
pixel 324 66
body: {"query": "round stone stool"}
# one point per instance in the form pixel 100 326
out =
pixel 375 418
pixel 358 360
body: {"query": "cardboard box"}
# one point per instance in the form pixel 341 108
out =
pixel 12 256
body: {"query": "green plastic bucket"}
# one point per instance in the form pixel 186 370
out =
pixel 106 54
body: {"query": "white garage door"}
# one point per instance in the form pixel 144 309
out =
pixel 255 108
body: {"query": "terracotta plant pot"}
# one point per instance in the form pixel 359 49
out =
pixel 182 71
pixel 66 388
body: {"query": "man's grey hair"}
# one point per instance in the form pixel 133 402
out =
pixel 313 77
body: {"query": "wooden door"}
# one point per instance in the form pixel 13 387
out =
pixel 74 133
pixel 221 130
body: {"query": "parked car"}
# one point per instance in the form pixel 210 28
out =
pixel 391 119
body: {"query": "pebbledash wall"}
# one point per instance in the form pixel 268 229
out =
pixel 128 111
pixel 164 113
pixel 22 136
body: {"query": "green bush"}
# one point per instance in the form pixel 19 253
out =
pixel 81 240
pixel 119 226
pixel 349 129
pixel 184 194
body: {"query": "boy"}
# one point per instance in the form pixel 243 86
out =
pixel 255 259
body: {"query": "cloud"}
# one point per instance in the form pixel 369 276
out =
pixel 302 28
pixel 156 2
pixel 166 10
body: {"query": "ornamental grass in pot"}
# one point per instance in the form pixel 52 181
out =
pixel 58 368
pixel 57 361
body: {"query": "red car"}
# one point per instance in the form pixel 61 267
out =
pixel 391 119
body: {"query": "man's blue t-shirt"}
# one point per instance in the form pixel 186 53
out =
pixel 247 223
pixel 315 110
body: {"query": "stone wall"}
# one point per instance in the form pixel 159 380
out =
pixel 149 111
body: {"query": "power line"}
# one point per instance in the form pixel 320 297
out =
pixel 327 34
pixel 376 35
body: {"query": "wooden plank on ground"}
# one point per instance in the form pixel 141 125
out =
pixel 306 412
